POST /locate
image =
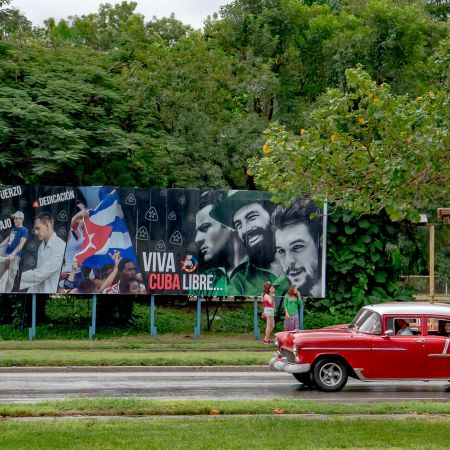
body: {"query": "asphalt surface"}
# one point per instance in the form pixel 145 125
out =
pixel 217 383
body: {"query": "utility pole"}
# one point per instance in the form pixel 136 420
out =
pixel 444 215
pixel 431 260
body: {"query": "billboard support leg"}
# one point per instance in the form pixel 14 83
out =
pixel 257 331
pixel 94 317
pixel 302 310
pixel 199 316
pixel 32 330
pixel 153 330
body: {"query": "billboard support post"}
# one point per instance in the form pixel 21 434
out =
pixel 32 330
pixel 153 329
pixel 199 316
pixel 257 331
pixel 94 317
pixel 302 312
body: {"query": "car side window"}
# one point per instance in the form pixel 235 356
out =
pixel 436 326
pixel 407 326
pixel 389 323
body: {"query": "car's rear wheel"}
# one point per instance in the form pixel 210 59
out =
pixel 330 375
pixel 304 378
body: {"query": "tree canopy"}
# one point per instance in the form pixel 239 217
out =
pixel 366 150
pixel 178 107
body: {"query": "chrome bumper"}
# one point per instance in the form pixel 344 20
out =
pixel 282 364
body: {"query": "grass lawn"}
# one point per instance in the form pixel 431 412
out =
pixel 141 407
pixel 167 341
pixel 143 350
pixel 226 433
pixel 121 357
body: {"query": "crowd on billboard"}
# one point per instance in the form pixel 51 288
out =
pixel 110 240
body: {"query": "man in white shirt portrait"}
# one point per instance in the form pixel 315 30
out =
pixel 44 278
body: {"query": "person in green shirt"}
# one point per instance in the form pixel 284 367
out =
pixel 292 302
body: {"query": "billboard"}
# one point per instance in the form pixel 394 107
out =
pixel 107 240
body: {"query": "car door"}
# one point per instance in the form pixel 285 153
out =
pixel 400 356
pixel 437 349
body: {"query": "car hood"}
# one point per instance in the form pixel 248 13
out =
pixel 326 333
pixel 331 329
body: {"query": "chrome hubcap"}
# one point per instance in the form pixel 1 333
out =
pixel 330 374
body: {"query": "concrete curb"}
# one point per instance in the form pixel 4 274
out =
pixel 93 369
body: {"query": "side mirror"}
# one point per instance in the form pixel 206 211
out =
pixel 388 333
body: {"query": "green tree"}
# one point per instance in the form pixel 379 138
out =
pixel 169 29
pixel 65 117
pixel 309 45
pixel 109 28
pixel 367 150
pixel 363 262
pixel 439 9
pixel 12 21
pixel 204 114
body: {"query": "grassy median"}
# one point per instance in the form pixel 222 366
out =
pixel 170 350
pixel 226 433
pixel 143 407
pixel 9 358
pixel 168 341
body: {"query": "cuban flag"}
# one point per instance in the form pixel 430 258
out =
pixel 105 232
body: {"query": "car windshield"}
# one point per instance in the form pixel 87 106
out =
pixel 366 321
pixel 359 318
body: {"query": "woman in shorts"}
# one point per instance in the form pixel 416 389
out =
pixel 268 299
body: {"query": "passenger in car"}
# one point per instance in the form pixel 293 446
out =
pixel 404 328
pixel 445 331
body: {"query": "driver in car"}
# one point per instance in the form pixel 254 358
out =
pixel 404 328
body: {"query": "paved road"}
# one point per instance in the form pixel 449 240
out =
pixel 28 386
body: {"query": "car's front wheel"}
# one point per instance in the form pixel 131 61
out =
pixel 304 378
pixel 330 375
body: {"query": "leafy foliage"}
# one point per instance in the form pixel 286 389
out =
pixel 439 9
pixel 367 150
pixel 309 45
pixel 201 103
pixel 12 21
pixel 363 262
pixel 62 114
pixel 112 26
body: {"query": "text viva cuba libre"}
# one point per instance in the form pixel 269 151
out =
pixel 163 274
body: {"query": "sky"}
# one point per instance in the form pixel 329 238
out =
pixel 192 12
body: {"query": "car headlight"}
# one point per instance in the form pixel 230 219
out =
pixel 295 349
pixel 276 342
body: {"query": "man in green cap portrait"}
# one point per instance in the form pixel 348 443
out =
pixel 249 212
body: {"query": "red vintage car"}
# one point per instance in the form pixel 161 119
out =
pixel 389 341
